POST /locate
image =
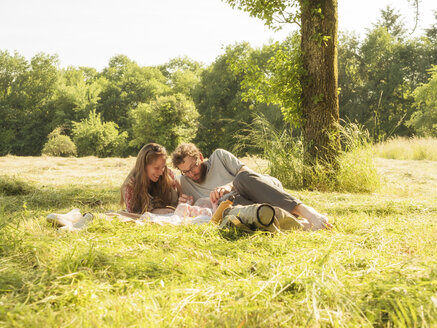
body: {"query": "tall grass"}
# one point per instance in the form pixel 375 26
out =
pixel 415 148
pixel 355 171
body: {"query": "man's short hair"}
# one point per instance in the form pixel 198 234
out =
pixel 184 150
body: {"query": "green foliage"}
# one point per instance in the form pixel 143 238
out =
pixel 77 94
pixel 26 90
pixel 424 121
pixel 182 74
pixel 378 75
pixel 125 85
pixel 273 13
pixel 383 85
pixel 271 76
pixel 168 120
pixel 222 109
pixel 59 145
pixel 354 170
pixel 218 102
pixel 391 20
pixel 92 136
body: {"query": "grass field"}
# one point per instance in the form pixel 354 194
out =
pixel 377 268
pixel 417 148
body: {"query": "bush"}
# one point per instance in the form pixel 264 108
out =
pixel 92 136
pixel 354 172
pixel 59 145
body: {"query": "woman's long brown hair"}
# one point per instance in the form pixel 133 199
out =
pixel 143 188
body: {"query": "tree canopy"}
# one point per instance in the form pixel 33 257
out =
pixel 386 83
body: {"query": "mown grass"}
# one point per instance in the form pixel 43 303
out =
pixel 415 148
pixel 377 268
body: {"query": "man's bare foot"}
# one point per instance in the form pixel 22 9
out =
pixel 320 221
pixel 315 220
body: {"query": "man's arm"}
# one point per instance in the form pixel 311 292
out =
pixel 218 192
pixel 183 198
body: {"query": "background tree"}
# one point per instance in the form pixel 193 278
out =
pixel 431 32
pixel 126 86
pixel 270 75
pixel 77 94
pixel 92 136
pixel 217 98
pixel 182 74
pixel 223 108
pixel 168 120
pixel 424 121
pixel 12 68
pixel 377 77
pixel 318 24
pixel 351 77
pixel 26 92
pixel 392 21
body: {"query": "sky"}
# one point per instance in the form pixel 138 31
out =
pixel 90 32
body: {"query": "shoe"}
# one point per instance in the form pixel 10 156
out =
pixel 71 221
pixel 256 216
pixel 62 220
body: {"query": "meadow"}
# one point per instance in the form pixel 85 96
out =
pixel 376 268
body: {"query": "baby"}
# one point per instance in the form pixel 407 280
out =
pixel 202 207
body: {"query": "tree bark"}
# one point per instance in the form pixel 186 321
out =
pixel 319 26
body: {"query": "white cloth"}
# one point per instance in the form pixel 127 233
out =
pixel 172 219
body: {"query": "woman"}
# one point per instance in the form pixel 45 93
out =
pixel 150 186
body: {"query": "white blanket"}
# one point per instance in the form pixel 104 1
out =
pixel 172 219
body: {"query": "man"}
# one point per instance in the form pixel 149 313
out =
pixel 223 173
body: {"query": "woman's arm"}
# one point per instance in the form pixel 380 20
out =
pixel 128 194
pixel 176 184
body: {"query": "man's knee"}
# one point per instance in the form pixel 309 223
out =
pixel 241 180
pixel 247 179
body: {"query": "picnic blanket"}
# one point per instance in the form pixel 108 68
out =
pixel 74 220
pixel 161 219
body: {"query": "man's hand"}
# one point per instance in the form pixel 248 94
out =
pixel 218 192
pixel 186 199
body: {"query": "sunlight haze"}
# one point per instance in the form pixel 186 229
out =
pixel 90 32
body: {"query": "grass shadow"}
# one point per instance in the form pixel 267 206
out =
pixel 49 199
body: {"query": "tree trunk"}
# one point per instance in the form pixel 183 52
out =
pixel 319 25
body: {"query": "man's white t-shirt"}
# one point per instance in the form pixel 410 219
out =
pixel 222 167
